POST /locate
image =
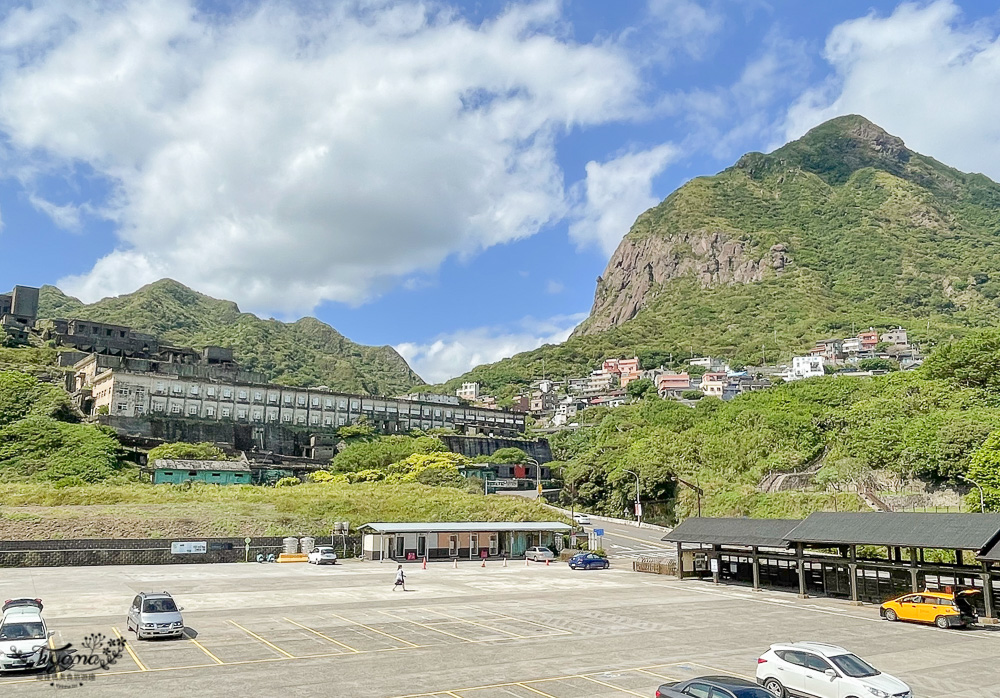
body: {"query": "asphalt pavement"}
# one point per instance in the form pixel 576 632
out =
pixel 633 542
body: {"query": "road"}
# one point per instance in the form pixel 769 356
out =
pixel 632 542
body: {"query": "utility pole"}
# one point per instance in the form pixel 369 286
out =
pixel 698 491
pixel 638 505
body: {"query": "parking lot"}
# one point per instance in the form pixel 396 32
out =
pixel 471 632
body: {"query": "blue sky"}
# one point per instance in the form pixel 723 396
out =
pixel 449 178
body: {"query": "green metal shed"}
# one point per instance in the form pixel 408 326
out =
pixel 219 472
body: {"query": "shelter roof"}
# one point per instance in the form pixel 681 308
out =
pixel 766 533
pixel 169 464
pixel 902 529
pixel 466 526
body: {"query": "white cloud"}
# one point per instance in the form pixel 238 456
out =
pixel 684 25
pixel 282 157
pixel 920 73
pixel 66 216
pixel 552 286
pixel 454 353
pixel 615 193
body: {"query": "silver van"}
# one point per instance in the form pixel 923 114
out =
pixel 154 614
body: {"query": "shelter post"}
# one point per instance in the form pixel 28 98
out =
pixel 988 595
pixel 756 569
pixel 680 561
pixel 853 568
pixel 913 570
pixel 801 564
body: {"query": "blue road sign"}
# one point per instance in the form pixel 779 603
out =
pixel 598 531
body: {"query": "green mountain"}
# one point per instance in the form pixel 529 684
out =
pixel 307 352
pixel 842 229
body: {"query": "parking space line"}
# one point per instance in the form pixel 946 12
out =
pixel 374 630
pixel 203 648
pixel 659 676
pixel 325 637
pixel 611 685
pixel 558 631
pixel 481 625
pixel 724 671
pixel 258 637
pixel 131 653
pixel 429 627
pixel 534 690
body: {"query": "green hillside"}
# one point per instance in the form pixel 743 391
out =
pixel 307 352
pixel 868 232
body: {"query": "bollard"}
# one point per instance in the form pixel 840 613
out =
pixel 425 562
pixel 526 561
pixel 456 563
pixel 505 562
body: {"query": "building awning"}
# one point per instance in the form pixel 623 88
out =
pixel 467 527
pixel 763 533
pixel 904 530
pixel 201 465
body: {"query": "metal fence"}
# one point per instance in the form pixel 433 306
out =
pixel 655 565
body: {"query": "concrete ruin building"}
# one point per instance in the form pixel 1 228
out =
pixel 18 312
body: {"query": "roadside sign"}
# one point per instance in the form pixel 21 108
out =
pixel 188 548
pixel 247 540
pixel 598 532
pixel 714 565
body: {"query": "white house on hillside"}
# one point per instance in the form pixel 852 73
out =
pixel 805 367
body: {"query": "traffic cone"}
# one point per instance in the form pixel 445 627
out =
pixel 546 563
pixel 484 562
pixel 425 562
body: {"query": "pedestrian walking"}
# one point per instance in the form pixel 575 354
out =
pixel 400 579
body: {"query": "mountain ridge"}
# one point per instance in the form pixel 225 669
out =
pixel 306 352
pixel 843 227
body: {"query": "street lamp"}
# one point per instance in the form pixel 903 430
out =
pixel 638 506
pixel 982 498
pixel 697 490
pixel 538 475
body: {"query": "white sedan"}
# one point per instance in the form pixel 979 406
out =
pixel 539 554
pixel 581 519
pixel 323 556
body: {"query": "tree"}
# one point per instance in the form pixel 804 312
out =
pixel 692 395
pixel 640 388
pixel 984 469
pixel 877 364
pixel 510 456
pixel 383 452
pixel 42 448
pixel 185 451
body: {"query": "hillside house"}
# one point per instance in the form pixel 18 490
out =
pixel 830 350
pixel 468 391
pixel 895 337
pixel 805 367
pixel 869 339
pixel 714 384
pixel 673 384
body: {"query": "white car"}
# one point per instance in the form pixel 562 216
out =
pixel 581 519
pixel 824 671
pixel 323 555
pixel 539 554
pixel 24 639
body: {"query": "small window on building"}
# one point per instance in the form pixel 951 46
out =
pixel 192 410
pixel 315 402
pixel 257 416
pixel 194 389
pixel 328 421
pixel 193 473
pixel 242 395
pixel 168 472
pixel 288 399
pixel 226 412
pixel 300 420
pixel 121 333
pixel 328 404
pixel 302 400
pixel 258 396
pixel 210 391
pixel 343 404
pixel 216 474
pixel 210 411
pixel 226 392
pixel 341 421
pixel 286 417
pixel 159 386
pixel 242 414
pixel 177 389
pixel 314 419
pixel 272 398
pixel 355 404
pixel 175 409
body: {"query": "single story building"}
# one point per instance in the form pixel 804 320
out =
pixel 839 554
pixel 471 540
pixel 220 472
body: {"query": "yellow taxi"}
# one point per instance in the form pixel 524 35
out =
pixel 943 609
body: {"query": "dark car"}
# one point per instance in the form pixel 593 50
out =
pixel 588 561
pixel 714 687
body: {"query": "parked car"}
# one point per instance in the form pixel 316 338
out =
pixel 539 554
pixel 942 609
pixel 581 519
pixel 824 671
pixel 24 639
pixel 588 561
pixel 154 614
pixel 323 556
pixel 714 686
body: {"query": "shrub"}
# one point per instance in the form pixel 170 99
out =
pixel 692 395
pixel 320 476
pixel 287 482
pixel 184 451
